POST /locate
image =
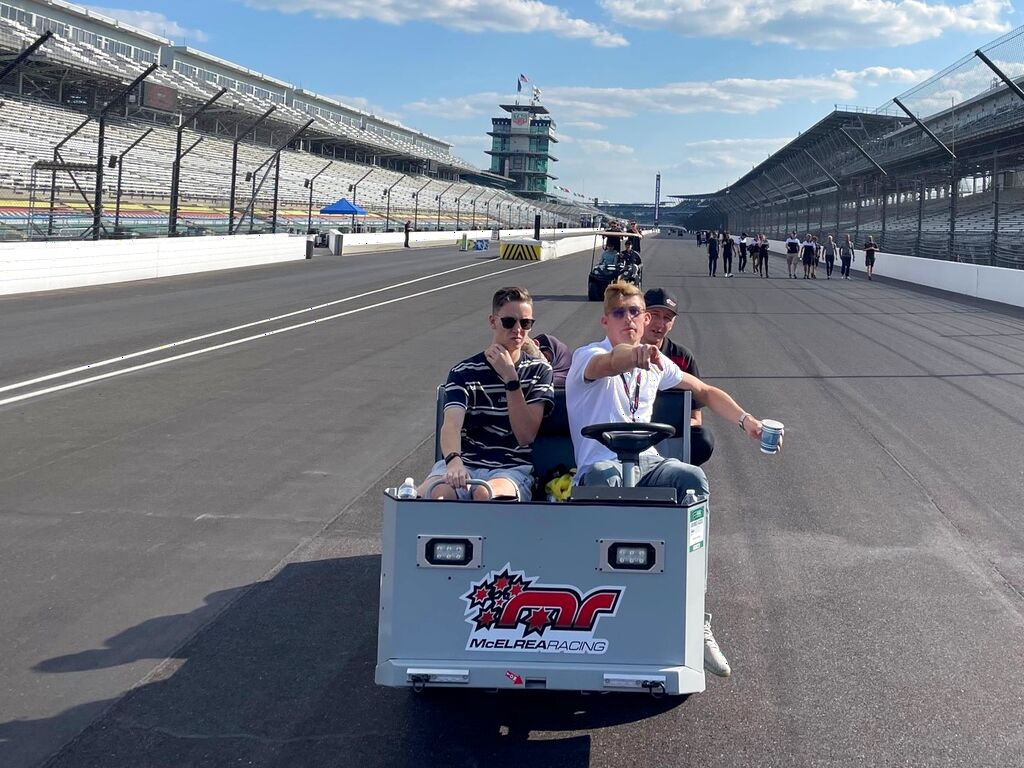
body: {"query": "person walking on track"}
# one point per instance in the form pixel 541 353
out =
pixel 712 254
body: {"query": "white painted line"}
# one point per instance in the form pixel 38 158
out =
pixel 235 342
pixel 212 334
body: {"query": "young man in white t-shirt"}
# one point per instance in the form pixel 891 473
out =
pixel 617 379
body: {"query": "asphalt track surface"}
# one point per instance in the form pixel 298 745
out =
pixel 189 552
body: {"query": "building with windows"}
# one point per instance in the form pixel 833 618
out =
pixel 521 148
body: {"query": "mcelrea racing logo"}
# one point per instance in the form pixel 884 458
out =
pixel 510 612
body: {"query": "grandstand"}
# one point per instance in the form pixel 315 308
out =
pixel 49 161
pixel 936 172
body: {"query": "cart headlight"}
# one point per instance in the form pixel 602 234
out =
pixel 449 551
pixel 639 556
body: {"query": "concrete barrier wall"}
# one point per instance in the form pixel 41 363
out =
pixel 569 245
pixel 26 267
pixel 355 240
pixel 991 283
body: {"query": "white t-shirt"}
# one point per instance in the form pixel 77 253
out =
pixel 610 398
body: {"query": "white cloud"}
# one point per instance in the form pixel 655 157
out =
pixel 819 24
pixel 582 103
pixel 360 102
pixel 595 146
pixel 154 22
pixel 727 154
pixel 513 16
pixel 460 107
pixel 730 95
pixel 584 125
pixel 876 75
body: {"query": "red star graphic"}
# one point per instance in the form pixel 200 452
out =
pixel 517 589
pixel 500 583
pixel 538 621
pixel 480 595
pixel 500 602
pixel 485 619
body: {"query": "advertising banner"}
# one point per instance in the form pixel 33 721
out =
pixel 159 97
pixel 520 122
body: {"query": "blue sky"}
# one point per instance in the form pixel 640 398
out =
pixel 699 90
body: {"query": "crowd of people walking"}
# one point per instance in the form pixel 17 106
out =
pixel 806 252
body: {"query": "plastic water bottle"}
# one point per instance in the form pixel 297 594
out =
pixel 407 490
pixel 690 498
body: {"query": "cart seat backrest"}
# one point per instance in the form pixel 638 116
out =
pixel 553 445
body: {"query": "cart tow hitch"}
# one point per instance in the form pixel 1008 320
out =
pixel 655 687
pixel 419 682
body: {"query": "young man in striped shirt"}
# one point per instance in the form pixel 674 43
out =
pixel 493 406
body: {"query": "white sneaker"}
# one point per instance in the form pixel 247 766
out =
pixel 714 660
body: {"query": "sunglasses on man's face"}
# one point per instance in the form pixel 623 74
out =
pixel 508 323
pixel 620 312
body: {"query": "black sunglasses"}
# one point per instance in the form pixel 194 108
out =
pixel 620 312
pixel 508 323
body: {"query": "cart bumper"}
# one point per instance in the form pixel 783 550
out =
pixel 515 675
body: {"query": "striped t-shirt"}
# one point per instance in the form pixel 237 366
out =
pixel 487 438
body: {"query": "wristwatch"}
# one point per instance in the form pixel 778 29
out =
pixel 743 420
pixel 512 386
pixel 452 455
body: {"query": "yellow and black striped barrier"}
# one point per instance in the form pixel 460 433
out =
pixel 520 251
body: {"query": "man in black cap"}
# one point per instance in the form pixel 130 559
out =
pixel 663 308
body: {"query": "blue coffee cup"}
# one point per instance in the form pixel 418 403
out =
pixel 771 436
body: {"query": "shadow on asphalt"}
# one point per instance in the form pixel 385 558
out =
pixel 284 677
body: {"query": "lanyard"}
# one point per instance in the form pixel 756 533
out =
pixel 634 403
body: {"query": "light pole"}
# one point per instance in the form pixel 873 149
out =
pixel 354 188
pixel 387 194
pixel 309 183
pixel 234 167
pixel 479 195
pixel 458 210
pixel 97 208
pixel 172 218
pixel 120 169
pixel 416 206
pixel 438 198
pixel 251 176
pixel 487 209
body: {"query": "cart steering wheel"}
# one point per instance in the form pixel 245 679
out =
pixel 471 482
pixel 628 439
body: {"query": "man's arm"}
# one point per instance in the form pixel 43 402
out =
pixel 622 358
pixel 525 418
pixel 721 402
pixel 451 442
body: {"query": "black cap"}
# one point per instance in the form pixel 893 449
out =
pixel 659 298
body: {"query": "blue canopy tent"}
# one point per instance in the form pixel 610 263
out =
pixel 343 206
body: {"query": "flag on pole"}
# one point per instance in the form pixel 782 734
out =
pixel 519 83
